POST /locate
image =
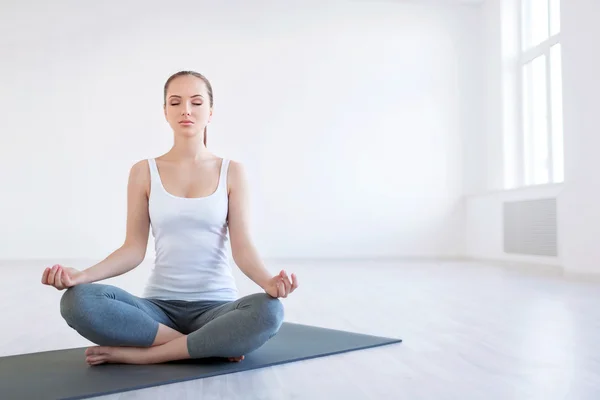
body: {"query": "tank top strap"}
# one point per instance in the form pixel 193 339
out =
pixel 223 176
pixel 153 170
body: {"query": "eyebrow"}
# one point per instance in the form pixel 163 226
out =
pixel 196 95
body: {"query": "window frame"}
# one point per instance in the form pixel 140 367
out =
pixel 524 168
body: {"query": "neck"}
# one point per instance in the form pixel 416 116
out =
pixel 189 148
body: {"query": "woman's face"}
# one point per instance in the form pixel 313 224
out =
pixel 187 106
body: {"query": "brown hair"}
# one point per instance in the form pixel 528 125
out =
pixel 197 75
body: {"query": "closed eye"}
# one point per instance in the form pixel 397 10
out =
pixel 196 104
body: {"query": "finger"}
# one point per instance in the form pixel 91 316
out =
pixel 280 289
pixel 294 283
pixel 58 283
pixel 52 275
pixel 284 289
pixel 45 276
pixel 287 283
pixel 48 275
pixel 57 276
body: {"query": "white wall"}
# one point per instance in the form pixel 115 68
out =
pixel 351 114
pixel 579 205
pixel 495 168
pixel 484 148
pixel 578 198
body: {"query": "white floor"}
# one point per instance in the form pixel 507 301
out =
pixel 470 332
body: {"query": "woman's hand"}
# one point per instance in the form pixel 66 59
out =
pixel 280 285
pixel 61 277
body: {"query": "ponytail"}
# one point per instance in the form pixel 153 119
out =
pixel 205 136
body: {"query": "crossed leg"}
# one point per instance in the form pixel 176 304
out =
pixel 108 315
pixel 232 329
pixel 226 329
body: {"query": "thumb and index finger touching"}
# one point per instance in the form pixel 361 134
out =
pixel 57 277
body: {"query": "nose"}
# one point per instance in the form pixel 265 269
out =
pixel 186 109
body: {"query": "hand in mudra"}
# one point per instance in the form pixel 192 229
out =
pixel 281 285
pixel 61 277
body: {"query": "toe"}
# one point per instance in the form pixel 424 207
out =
pixel 95 360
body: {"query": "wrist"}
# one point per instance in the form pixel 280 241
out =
pixel 84 277
pixel 263 279
pixel 256 272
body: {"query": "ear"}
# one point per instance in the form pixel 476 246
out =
pixel 210 115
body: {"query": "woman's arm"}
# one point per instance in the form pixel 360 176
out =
pixel 133 250
pixel 243 250
pixel 126 257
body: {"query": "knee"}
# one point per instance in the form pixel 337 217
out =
pixel 271 312
pixel 75 302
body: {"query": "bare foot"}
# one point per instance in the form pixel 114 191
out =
pixel 97 355
pixel 118 355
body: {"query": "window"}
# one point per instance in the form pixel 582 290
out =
pixel 541 138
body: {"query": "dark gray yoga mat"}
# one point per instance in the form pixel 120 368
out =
pixel 63 374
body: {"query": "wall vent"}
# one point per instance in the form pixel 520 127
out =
pixel 530 227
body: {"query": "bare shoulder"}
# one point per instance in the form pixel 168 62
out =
pixel 139 176
pixel 140 170
pixel 236 176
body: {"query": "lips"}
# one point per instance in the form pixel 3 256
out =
pixel 186 122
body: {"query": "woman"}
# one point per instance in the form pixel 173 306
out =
pixel 190 308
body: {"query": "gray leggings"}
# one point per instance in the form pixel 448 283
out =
pixel 110 316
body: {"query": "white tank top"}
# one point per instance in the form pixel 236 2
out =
pixel 191 237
